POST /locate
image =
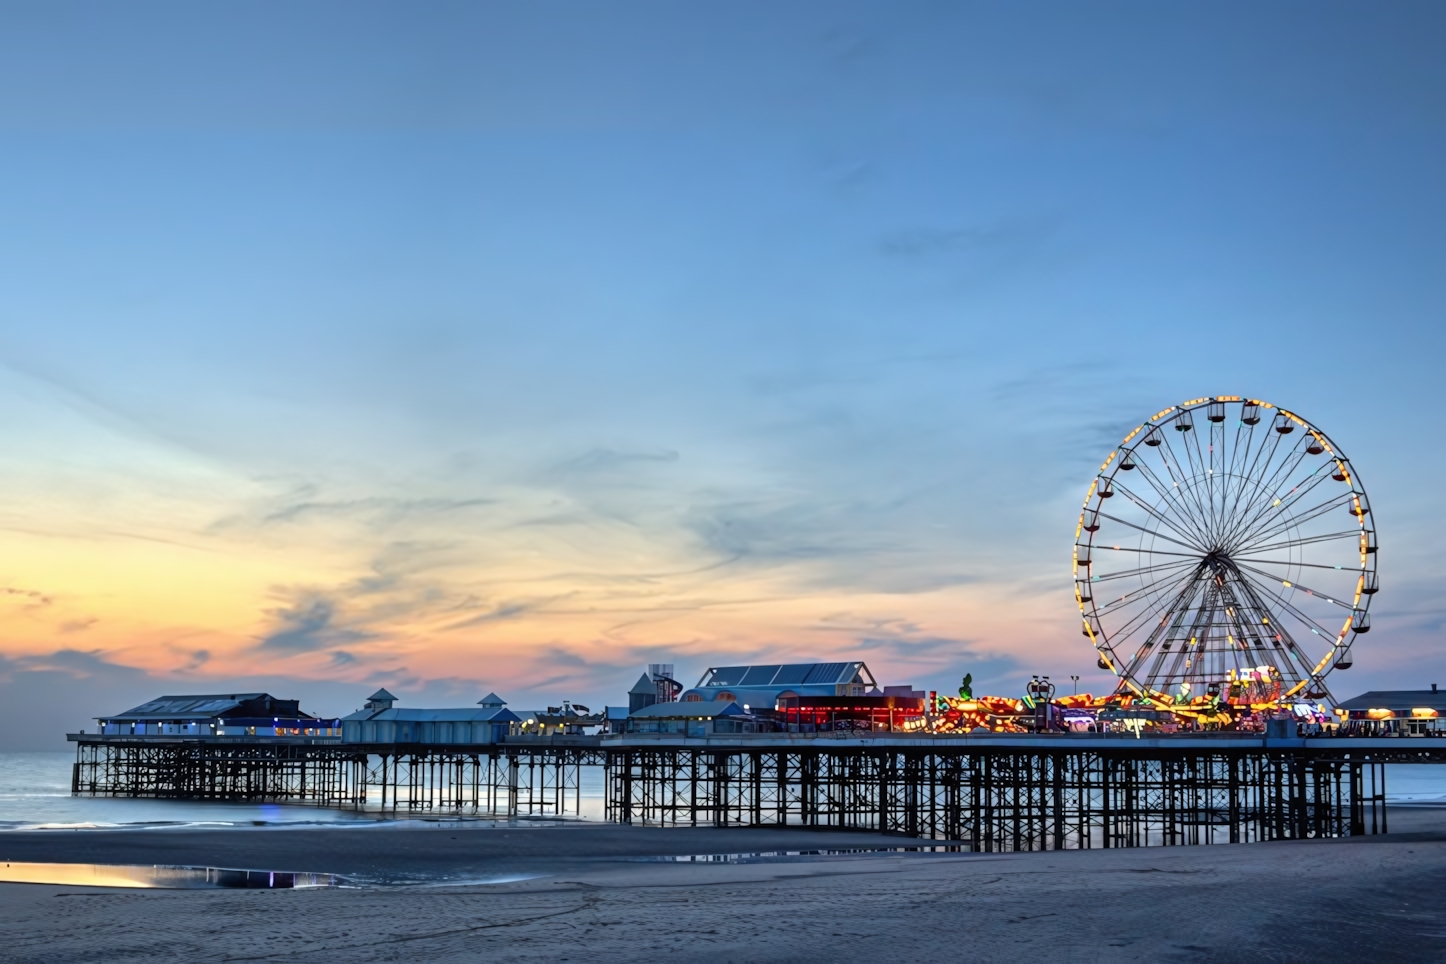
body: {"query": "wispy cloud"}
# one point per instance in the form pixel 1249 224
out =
pixel 605 462
pixel 310 623
pixel 375 511
pixel 28 596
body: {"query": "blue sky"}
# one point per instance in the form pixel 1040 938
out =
pixel 482 347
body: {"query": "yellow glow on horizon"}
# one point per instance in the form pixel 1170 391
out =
pixel 130 550
pixel 153 604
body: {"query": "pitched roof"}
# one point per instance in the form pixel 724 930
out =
pixel 382 694
pixel 198 707
pixel 491 699
pixel 691 710
pixel 466 714
pixel 789 674
pixel 643 686
pixel 1396 700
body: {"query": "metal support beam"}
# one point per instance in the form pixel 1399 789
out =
pixel 988 798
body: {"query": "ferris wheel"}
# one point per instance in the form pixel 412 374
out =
pixel 1226 548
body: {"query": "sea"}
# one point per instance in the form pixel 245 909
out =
pixel 35 797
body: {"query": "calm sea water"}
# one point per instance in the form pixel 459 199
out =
pixel 35 795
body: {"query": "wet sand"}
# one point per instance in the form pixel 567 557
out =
pixel 389 854
pixel 1363 899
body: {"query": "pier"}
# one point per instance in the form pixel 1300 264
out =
pixel 529 778
pixel 987 792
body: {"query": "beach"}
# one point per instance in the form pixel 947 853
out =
pixel 600 893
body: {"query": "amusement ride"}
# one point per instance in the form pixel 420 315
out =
pixel 1226 548
pixel 1224 566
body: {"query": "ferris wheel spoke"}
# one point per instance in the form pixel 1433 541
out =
pixel 1179 476
pixel 1159 677
pixel 1244 485
pixel 1345 534
pixel 1332 600
pixel 1147 612
pixel 1294 454
pixel 1247 613
pixel 1122 636
pixel 1256 471
pixel 1232 483
pixel 1295 496
pixel 1190 585
pixel 1201 514
pixel 1152 532
pixel 1242 561
pixel 1236 471
pixel 1170 628
pixel 1141 570
pixel 1281 525
pixel 1246 646
pixel 1207 465
pixel 1170 498
pixel 1204 469
pixel 1143 594
pixel 1286 605
pixel 1270 488
pixel 1144 617
pixel 1173 494
pixel 1240 456
pixel 1196 538
pixel 1297 660
pixel 1147 552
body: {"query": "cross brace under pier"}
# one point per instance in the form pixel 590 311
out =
pixel 985 798
pixel 388 778
pixel 999 800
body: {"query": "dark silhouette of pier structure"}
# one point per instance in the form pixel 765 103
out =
pixel 995 792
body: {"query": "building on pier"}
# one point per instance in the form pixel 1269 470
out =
pixel 693 718
pixel 889 713
pixel 569 719
pixel 382 722
pixel 643 694
pixel 1395 711
pixel 764 686
pixel 259 715
pixel 655 686
pixel 616 718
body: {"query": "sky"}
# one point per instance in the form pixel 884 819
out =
pixel 460 347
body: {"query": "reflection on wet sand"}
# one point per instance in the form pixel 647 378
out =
pixel 160 877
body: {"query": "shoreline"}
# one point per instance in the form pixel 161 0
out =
pixel 423 854
pixel 442 847
pixel 617 894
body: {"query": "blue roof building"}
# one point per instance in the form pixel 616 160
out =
pixel 380 722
